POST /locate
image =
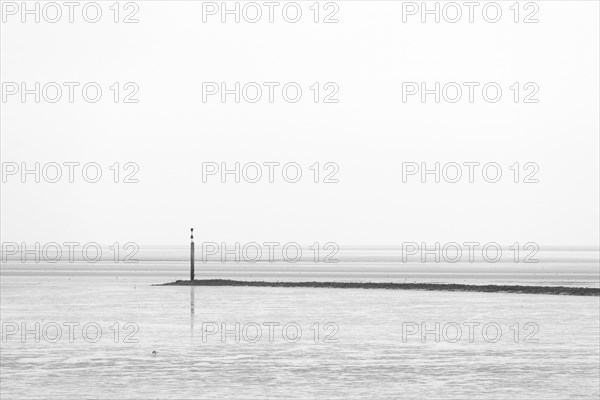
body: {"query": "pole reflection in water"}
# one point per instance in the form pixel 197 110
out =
pixel 192 300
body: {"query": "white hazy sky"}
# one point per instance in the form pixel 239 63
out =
pixel 369 133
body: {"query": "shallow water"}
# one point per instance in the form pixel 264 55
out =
pixel 561 269
pixel 370 353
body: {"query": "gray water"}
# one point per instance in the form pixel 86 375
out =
pixel 365 351
pixel 549 266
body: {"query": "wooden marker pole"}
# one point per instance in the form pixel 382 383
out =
pixel 192 256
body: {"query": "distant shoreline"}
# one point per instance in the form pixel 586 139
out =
pixel 450 287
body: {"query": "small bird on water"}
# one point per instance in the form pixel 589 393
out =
pixel 155 353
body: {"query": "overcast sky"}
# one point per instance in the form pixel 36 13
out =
pixel 369 133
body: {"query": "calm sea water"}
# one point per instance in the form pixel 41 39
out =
pixel 552 267
pixel 363 348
